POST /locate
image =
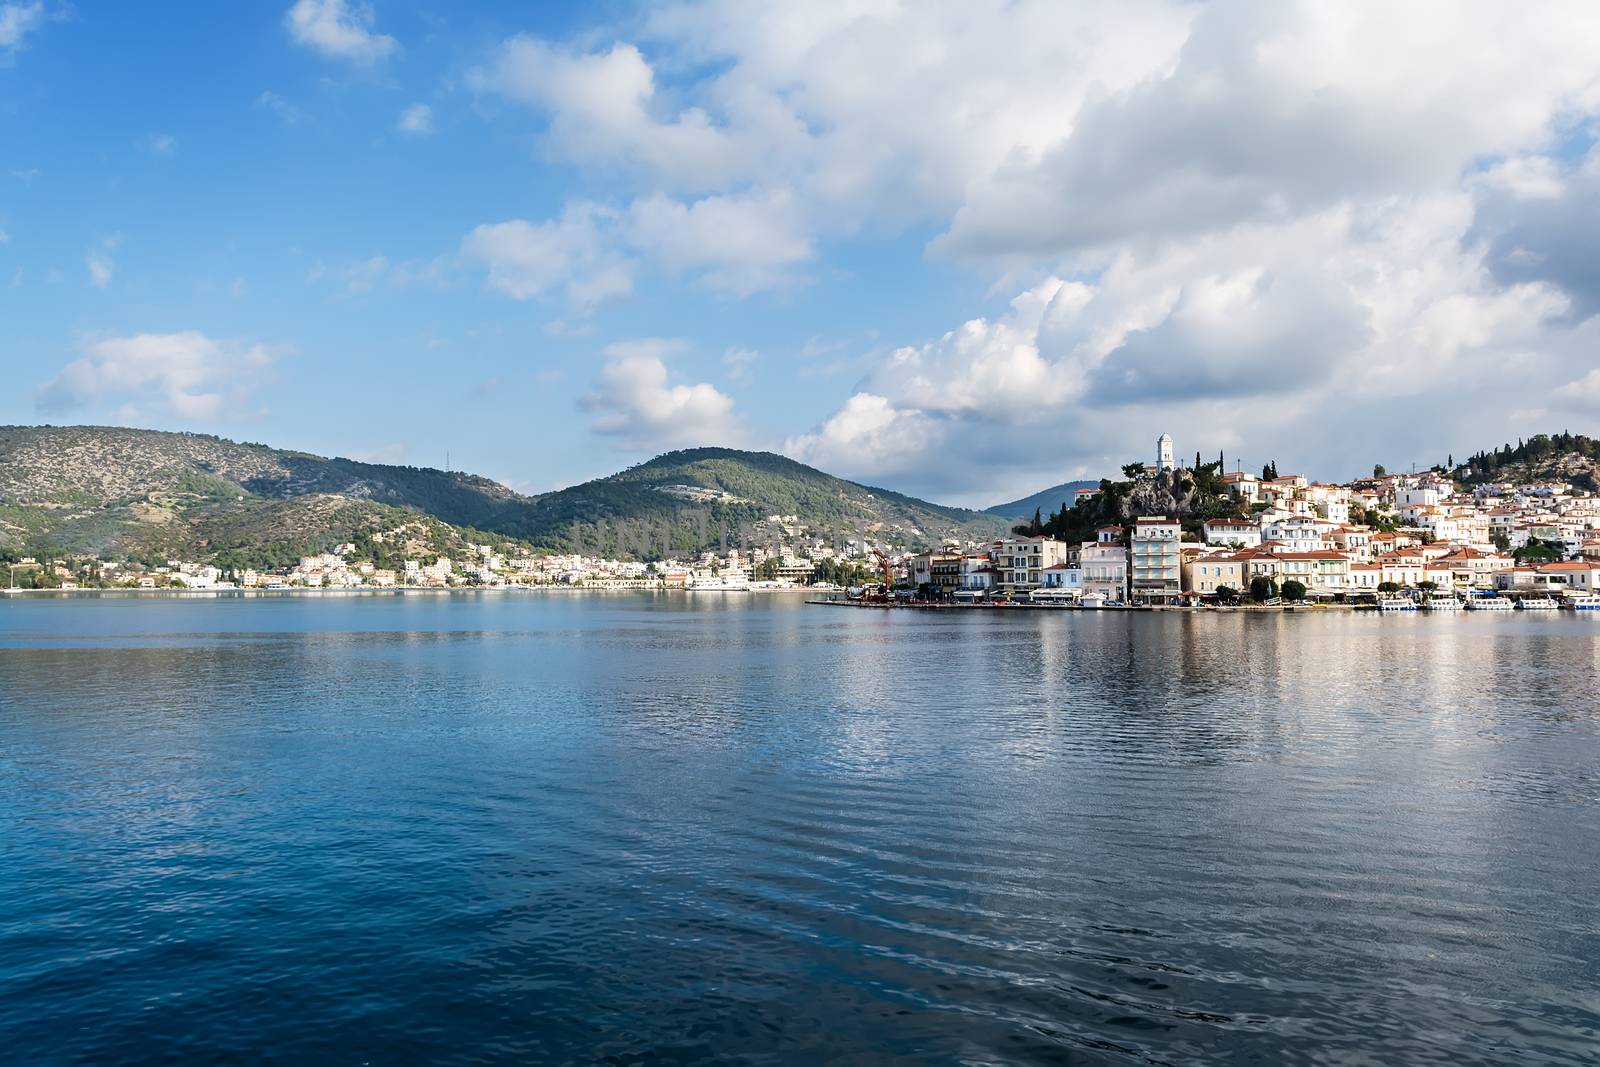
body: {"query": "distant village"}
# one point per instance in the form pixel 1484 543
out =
pixel 1395 540
pixel 805 563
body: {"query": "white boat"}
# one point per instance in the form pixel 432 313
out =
pixel 717 583
pixel 1396 603
pixel 1537 603
pixel 1490 603
pixel 1586 604
pixel 1441 603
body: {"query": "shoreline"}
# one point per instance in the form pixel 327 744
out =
pixel 398 590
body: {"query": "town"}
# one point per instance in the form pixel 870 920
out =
pixel 1392 541
pixel 1411 541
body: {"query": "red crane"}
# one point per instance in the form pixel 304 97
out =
pixel 888 572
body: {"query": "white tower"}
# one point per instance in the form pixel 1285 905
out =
pixel 1164 460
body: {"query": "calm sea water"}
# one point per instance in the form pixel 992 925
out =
pixel 736 828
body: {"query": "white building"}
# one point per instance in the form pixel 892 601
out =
pixel 1155 568
pixel 1164 460
pixel 1104 563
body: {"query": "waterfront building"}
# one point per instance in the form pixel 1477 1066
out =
pixel 1104 562
pixel 1062 581
pixel 1019 562
pixel 1154 568
pixel 1205 574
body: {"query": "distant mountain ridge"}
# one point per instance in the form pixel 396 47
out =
pixel 116 491
pixel 1045 501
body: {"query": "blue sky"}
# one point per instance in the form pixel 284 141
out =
pixel 963 251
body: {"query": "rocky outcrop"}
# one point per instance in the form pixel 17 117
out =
pixel 1168 492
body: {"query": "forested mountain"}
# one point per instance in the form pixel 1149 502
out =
pixel 731 488
pixel 141 493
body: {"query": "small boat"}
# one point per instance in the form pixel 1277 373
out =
pixel 1441 603
pixel 1490 603
pixel 1537 603
pixel 1396 603
pixel 1587 604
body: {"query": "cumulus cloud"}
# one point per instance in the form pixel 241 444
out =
pixel 1581 394
pixel 187 375
pixel 16 22
pixel 634 401
pixel 1295 216
pixel 573 253
pixel 601 107
pixel 1542 223
pixel 739 244
pixel 339 30
pixel 1292 330
pixel 416 121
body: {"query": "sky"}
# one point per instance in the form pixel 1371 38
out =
pixel 965 250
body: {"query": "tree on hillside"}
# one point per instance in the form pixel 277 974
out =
pixel 1132 470
pixel 1379 470
pixel 1537 551
pixel 1269 472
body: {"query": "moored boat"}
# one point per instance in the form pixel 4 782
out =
pixel 1396 603
pixel 717 583
pixel 1490 603
pixel 1441 603
pixel 1536 603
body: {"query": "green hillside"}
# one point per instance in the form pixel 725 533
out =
pixel 728 488
pixel 125 493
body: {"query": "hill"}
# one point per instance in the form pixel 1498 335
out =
pixel 725 488
pixel 127 493
pixel 1564 457
pixel 1045 501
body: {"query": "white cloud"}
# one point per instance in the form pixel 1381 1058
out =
pixel 416 121
pixel 1581 394
pixel 572 253
pixel 1277 333
pixel 741 244
pixel 868 436
pixel 5 238
pixel 187 375
pixel 339 30
pixel 601 110
pixel 16 22
pixel 633 401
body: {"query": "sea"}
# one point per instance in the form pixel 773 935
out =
pixel 739 828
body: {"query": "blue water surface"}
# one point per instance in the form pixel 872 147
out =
pixel 730 827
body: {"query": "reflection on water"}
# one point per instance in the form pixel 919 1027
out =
pixel 671 828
